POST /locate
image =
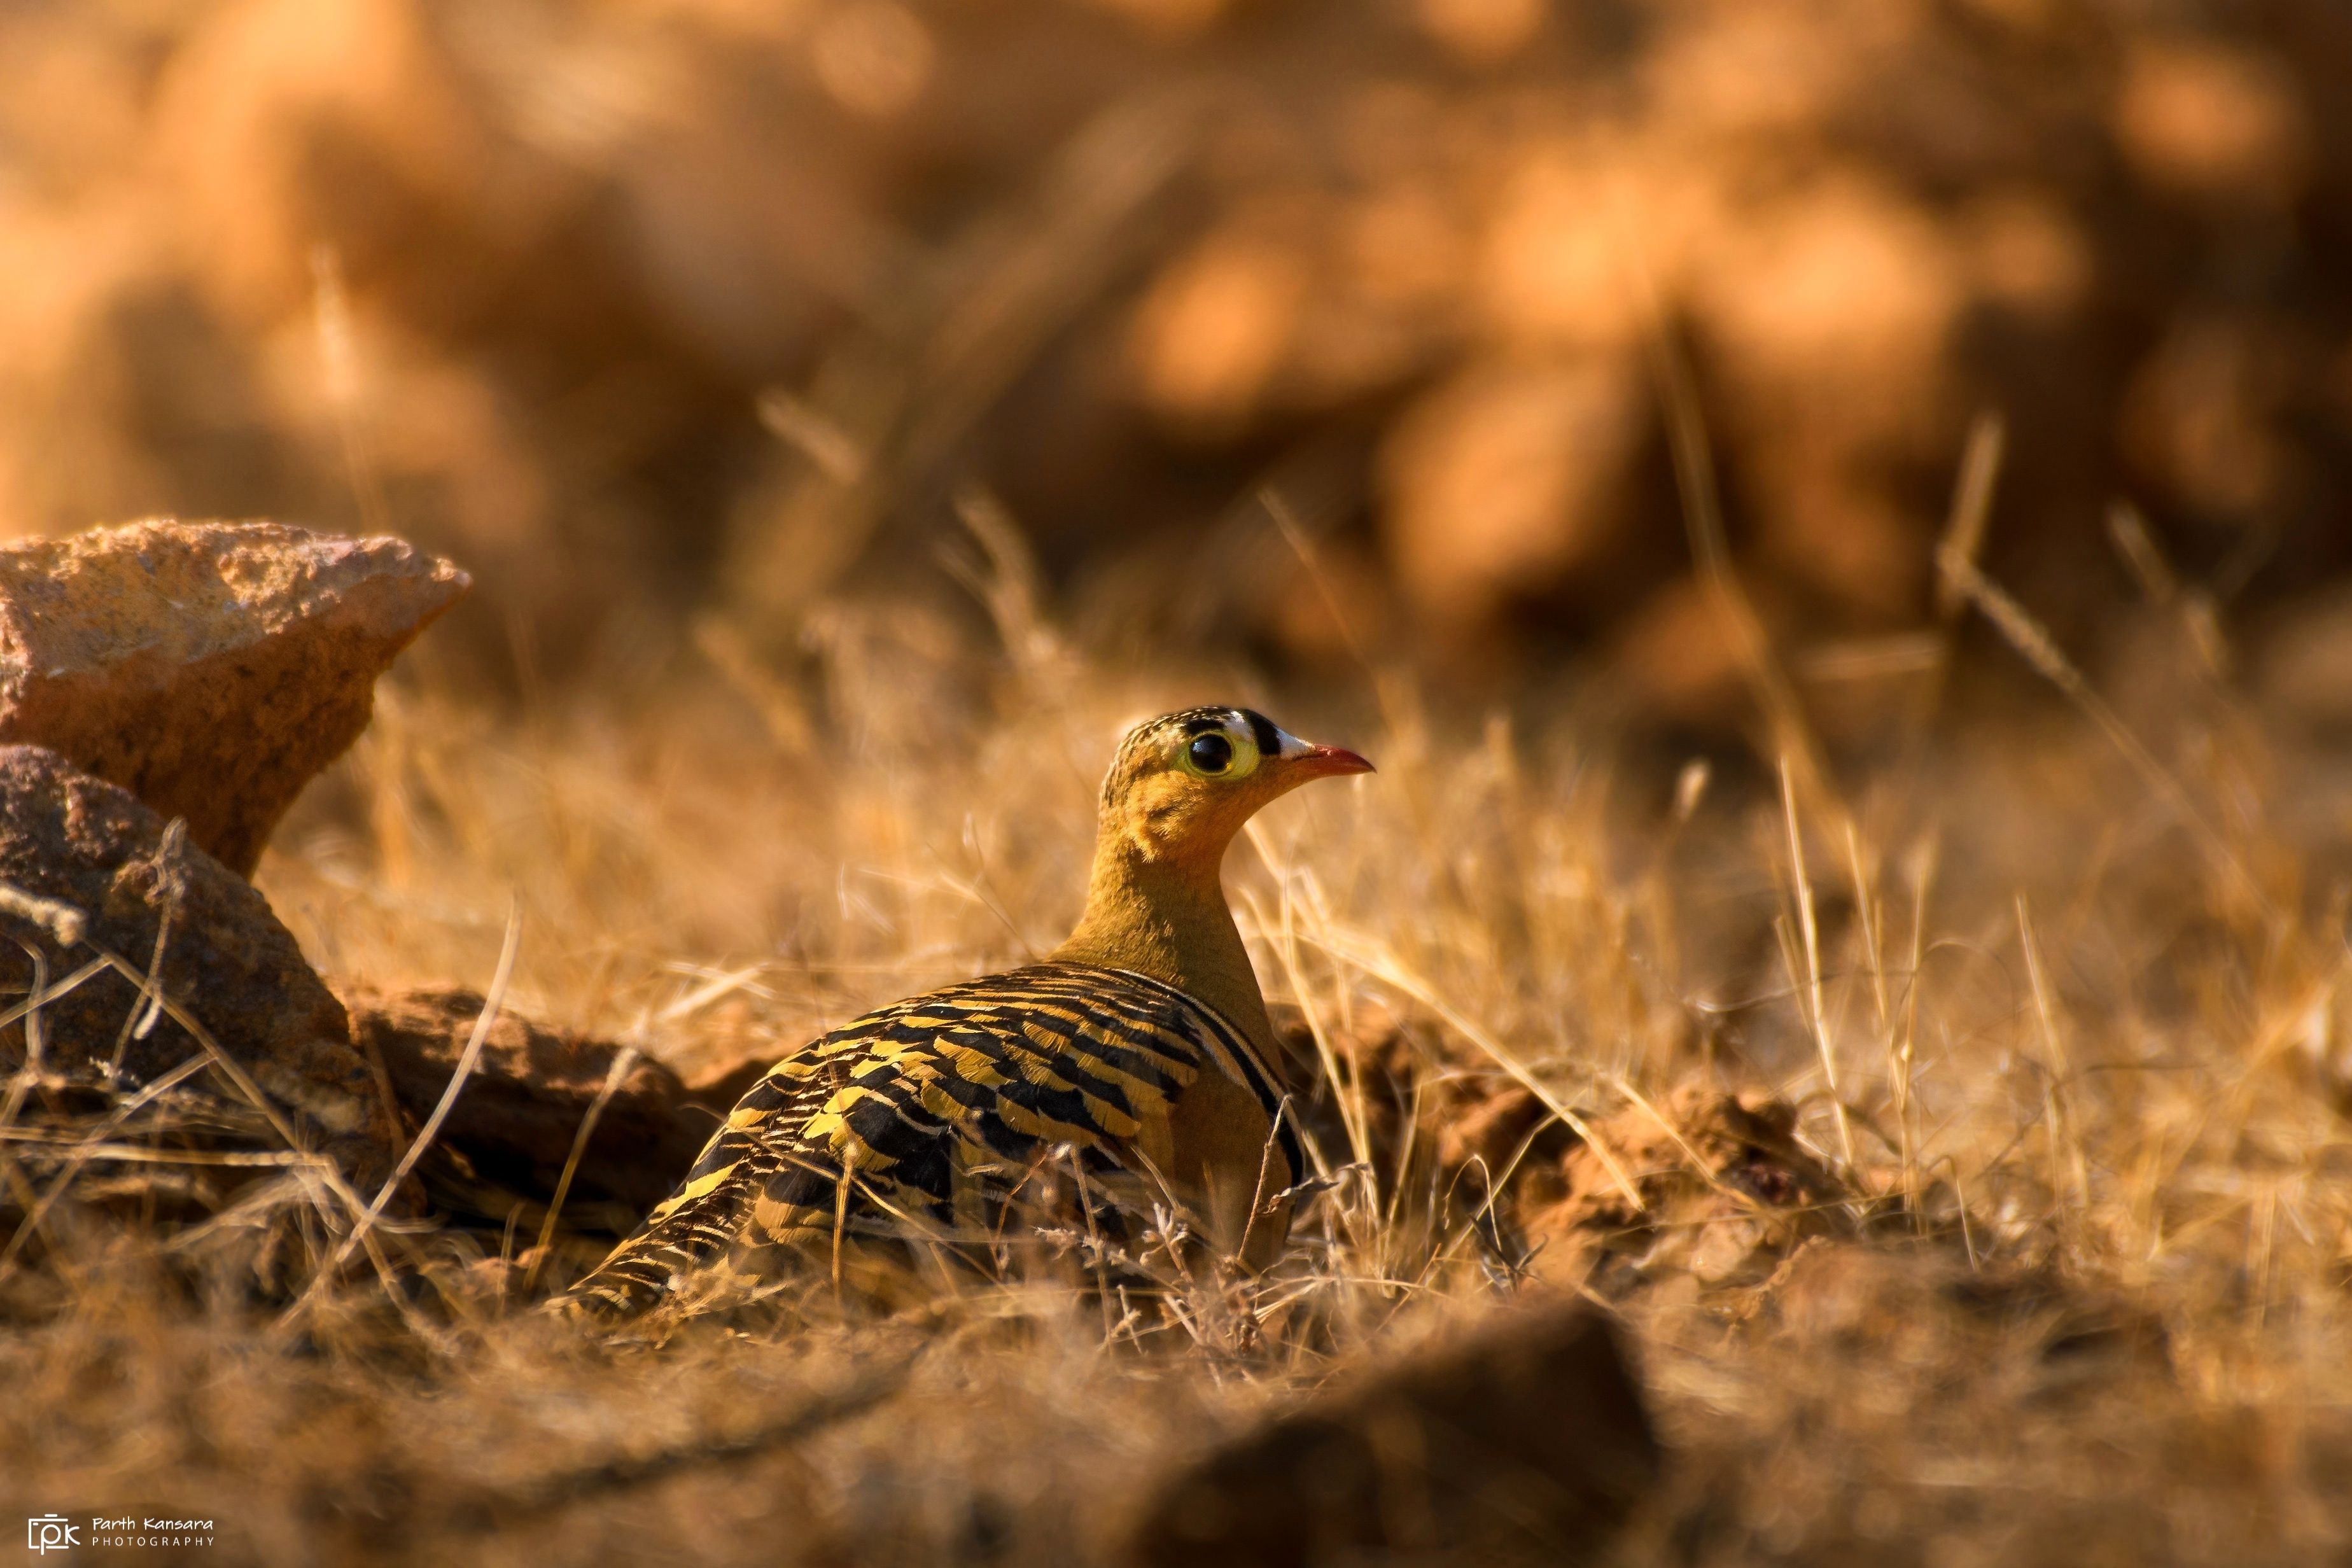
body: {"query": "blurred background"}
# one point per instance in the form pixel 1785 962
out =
pixel 1307 334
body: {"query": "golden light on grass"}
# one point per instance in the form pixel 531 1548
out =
pixel 2112 1251
pixel 1917 1006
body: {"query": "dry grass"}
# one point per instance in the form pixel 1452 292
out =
pixel 2058 987
pixel 2072 1032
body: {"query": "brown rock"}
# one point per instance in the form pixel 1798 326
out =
pixel 1726 1194
pixel 210 669
pixel 227 962
pixel 1374 1065
pixel 1469 1127
pixel 513 1125
pixel 1525 1442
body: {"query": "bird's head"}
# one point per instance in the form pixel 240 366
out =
pixel 1183 784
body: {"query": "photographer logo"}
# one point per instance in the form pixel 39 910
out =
pixel 56 1532
pixel 49 1533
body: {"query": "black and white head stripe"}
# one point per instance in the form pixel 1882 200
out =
pixel 1272 740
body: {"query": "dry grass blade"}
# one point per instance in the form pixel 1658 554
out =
pixel 1792 736
pixel 1815 1007
pixel 814 434
pixel 1008 586
pixel 623 1059
pixel 2070 1179
pixel 779 705
pixel 1285 521
pixel 2195 608
pixel 140 1020
pixel 2128 532
pixel 2030 640
pixel 491 1002
pixel 143 1154
pixel 1346 1090
pixel 1964 530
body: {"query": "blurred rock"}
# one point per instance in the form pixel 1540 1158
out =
pixel 210 669
pixel 2304 667
pixel 1524 1441
pixel 1831 314
pixel 1214 328
pixel 225 960
pixel 515 1121
pixel 343 122
pixel 1482 32
pixel 1916 1301
pixel 1501 482
pixel 2025 253
pixel 1726 1193
pixel 524 271
pixel 1678 656
pixel 2212 119
pixel 2207 413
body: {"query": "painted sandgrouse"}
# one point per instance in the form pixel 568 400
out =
pixel 1142 1043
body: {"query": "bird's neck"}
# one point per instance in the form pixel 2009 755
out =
pixel 1167 918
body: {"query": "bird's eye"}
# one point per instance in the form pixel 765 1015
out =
pixel 1210 754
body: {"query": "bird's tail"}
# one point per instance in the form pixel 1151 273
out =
pixel 679 1241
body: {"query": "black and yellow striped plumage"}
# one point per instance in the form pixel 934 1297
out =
pixel 923 1120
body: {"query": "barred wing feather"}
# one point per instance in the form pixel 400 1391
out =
pixel 922 1117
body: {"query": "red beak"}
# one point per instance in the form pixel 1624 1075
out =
pixel 1330 762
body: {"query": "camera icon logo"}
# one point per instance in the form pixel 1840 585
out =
pixel 49 1533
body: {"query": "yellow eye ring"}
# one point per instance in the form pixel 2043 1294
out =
pixel 1216 755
